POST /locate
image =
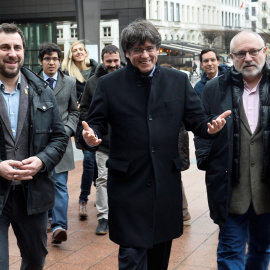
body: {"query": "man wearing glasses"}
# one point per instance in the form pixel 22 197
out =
pixel 237 164
pixel 64 88
pixel 145 105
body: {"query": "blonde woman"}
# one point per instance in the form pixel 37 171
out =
pixel 78 65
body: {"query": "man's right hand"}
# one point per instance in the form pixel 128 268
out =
pixel 89 135
pixel 10 169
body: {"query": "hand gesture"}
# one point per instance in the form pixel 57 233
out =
pixel 89 135
pixel 218 123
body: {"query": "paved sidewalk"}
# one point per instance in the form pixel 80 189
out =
pixel 195 249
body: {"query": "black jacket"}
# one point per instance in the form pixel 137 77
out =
pixel 48 142
pixel 220 155
pixel 144 181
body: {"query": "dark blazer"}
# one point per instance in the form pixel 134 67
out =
pixel 65 93
pixel 144 182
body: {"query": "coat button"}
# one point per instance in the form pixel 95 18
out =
pixel 150 118
pixel 152 149
pixel 252 164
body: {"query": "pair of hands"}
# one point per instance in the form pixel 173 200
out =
pixel 214 127
pixel 20 170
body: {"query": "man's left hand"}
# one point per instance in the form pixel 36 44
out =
pixel 33 164
pixel 218 123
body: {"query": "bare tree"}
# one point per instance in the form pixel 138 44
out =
pixel 227 36
pixel 210 36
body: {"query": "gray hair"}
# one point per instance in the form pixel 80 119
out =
pixel 138 32
pixel 246 32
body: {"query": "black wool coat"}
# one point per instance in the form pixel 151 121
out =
pixel 144 182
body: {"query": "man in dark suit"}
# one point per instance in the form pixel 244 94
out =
pixel 145 105
pixel 32 142
pixel 64 88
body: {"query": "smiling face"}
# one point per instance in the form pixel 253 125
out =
pixel 11 55
pixel 146 60
pixel 49 63
pixel 210 64
pixel 111 61
pixel 79 53
pixel 250 67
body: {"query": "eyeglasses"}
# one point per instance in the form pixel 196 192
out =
pixel 253 53
pixel 48 59
pixel 140 51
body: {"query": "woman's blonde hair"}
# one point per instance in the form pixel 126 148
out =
pixel 69 64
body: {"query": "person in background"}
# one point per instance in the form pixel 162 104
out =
pixel 64 88
pixel 145 105
pixel 237 162
pixel 32 142
pixel 210 62
pixel 78 65
pixel 111 62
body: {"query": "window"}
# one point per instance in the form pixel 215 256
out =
pixel 60 33
pixel 264 6
pixel 264 23
pixel 166 11
pixel 253 26
pixel 107 31
pixel 253 11
pixel 73 32
pixel 246 14
pixel 172 11
pixel 177 13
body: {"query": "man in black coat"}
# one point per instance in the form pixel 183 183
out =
pixel 237 160
pixel 145 105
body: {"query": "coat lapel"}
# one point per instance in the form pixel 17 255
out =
pixel 4 116
pixel 59 84
pixel 23 106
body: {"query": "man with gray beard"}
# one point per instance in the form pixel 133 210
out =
pixel 237 160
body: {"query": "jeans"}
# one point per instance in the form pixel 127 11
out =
pixel 87 175
pixel 240 230
pixel 101 185
pixel 30 231
pixel 60 209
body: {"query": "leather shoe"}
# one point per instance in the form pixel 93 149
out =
pixel 59 236
pixel 82 210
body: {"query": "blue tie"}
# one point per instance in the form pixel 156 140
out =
pixel 50 81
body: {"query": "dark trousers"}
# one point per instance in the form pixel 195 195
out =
pixel 156 258
pixel 30 231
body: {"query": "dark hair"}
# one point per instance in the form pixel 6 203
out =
pixel 12 28
pixel 206 51
pixel 138 32
pixel 109 49
pixel 48 48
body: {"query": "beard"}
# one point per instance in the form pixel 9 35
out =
pixel 10 73
pixel 253 71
